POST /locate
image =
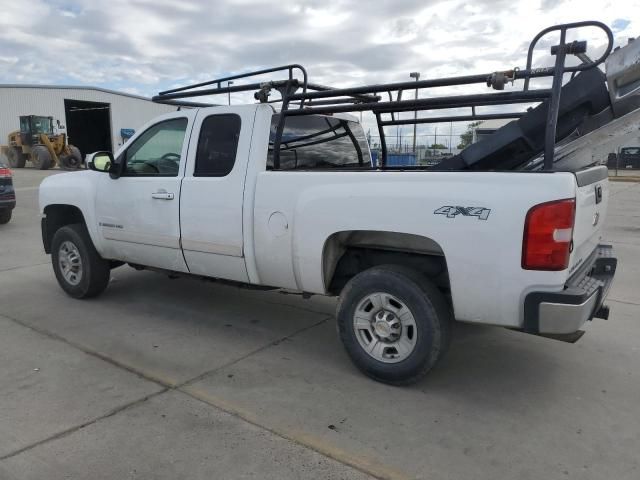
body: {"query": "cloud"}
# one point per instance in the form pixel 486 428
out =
pixel 150 45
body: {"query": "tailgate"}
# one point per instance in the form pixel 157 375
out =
pixel 592 199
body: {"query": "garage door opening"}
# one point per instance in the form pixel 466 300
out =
pixel 88 125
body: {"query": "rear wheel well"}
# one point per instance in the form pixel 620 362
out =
pixel 57 216
pixel 348 253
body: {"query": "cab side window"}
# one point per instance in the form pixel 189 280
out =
pixel 157 151
pixel 217 145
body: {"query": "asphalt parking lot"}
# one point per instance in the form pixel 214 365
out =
pixel 167 379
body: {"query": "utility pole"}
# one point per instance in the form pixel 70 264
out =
pixel 229 83
pixel 415 75
pixel 435 140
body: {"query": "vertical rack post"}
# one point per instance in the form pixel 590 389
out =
pixel 383 141
pixel 554 103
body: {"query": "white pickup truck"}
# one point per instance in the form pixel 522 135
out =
pixel 292 200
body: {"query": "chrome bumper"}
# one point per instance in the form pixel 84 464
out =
pixel 561 313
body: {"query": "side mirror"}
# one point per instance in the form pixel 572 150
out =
pixel 101 162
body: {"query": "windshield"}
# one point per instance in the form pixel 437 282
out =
pixel 41 125
pixel 630 151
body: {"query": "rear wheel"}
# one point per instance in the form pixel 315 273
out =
pixel 15 157
pixel 5 216
pixel 79 269
pixel 394 323
pixel 40 157
pixel 73 161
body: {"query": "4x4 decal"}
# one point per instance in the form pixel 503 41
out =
pixel 451 212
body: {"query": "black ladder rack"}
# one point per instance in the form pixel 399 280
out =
pixel 300 97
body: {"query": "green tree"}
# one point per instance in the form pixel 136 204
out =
pixel 437 145
pixel 467 137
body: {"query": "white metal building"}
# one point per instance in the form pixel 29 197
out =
pixel 94 118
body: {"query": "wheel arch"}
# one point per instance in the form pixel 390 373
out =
pixel 347 253
pixel 56 217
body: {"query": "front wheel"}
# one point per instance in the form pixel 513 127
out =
pixel 394 323
pixel 41 158
pixel 79 269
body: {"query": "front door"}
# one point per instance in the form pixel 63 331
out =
pixel 138 214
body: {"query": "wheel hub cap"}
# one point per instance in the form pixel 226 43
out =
pixel 70 263
pixel 385 327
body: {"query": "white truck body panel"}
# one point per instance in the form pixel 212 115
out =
pixel 483 256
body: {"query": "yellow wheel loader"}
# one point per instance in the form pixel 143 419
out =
pixel 36 142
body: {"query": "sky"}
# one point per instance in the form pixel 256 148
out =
pixel 145 46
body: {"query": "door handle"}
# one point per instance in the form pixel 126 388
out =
pixel 162 195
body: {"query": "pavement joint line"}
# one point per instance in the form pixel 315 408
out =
pixel 76 428
pixel 344 458
pixel 204 375
pixel 626 302
pixel 358 462
pixel 90 352
pixel 19 267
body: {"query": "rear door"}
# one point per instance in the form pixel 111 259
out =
pixel 138 214
pixel 213 192
pixel 592 199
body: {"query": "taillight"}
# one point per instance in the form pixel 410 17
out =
pixel 548 230
pixel 5 172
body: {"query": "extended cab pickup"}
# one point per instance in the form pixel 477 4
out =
pixel 199 192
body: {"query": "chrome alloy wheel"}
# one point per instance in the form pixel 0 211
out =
pixel 70 263
pixel 385 327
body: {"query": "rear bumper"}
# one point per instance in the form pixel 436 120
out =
pixel 564 312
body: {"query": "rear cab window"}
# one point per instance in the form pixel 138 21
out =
pixel 217 145
pixel 318 142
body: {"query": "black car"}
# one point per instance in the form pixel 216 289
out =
pixel 7 194
pixel 629 157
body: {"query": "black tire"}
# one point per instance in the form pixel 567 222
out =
pixel 94 272
pixel 428 307
pixel 73 161
pixel 41 158
pixel 15 157
pixel 5 216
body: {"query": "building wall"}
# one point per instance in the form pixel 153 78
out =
pixel 126 111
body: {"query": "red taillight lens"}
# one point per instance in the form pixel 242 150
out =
pixel 5 172
pixel 548 231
